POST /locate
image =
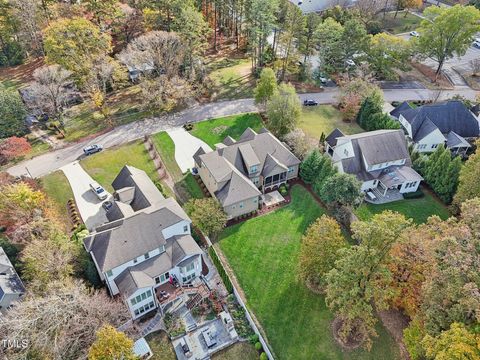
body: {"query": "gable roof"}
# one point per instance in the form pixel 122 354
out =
pixel 381 146
pixel 375 147
pixel 145 192
pixel 399 109
pixel 448 116
pixel 133 236
pixel 10 282
pixel 177 249
pixel 332 138
pixel 238 188
pixel 455 140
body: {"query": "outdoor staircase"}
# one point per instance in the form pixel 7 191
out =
pixel 194 301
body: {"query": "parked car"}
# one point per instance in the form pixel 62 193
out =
pixel 107 205
pixel 92 149
pixel 350 62
pixel 414 34
pixel 310 102
pixel 98 190
pixel 476 44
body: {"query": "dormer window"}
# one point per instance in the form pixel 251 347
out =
pixel 253 169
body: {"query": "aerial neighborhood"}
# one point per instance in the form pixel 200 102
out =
pixel 241 180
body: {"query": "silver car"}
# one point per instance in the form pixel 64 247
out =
pixel 98 190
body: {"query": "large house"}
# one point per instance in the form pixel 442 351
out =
pixel 237 173
pixel 379 159
pixel 450 123
pixel 145 244
pixel 11 286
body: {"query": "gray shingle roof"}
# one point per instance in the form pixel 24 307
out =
pixel 231 164
pixel 196 156
pixel 135 235
pixel 382 146
pixel 248 155
pixel 399 109
pixel 332 138
pixel 146 193
pixel 177 249
pixel 449 116
pixel 237 189
pixel 10 282
pixel 377 147
pixel 272 166
pixel 248 134
pixel 455 140
pixel 229 140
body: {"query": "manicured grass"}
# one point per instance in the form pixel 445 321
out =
pixel 417 209
pixel 232 78
pixel 215 130
pixel 58 189
pixel 400 24
pixel 238 351
pixel 316 120
pixel 161 346
pixel 166 148
pixel 105 166
pixel 263 252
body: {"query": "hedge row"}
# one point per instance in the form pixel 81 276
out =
pixel 221 270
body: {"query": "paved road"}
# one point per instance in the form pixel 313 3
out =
pixel 44 164
pixel 89 206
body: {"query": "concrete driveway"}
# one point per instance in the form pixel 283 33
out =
pixel 89 206
pixel 185 146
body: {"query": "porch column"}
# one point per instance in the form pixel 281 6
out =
pixel 385 192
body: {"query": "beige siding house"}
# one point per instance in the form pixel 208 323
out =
pixel 238 172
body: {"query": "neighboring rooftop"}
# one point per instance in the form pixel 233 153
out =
pixel 448 116
pixel 10 282
pixel 232 163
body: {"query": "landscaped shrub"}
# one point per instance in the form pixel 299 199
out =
pixel 220 269
pixel 263 356
pixel 242 325
pixel 414 195
pixel 254 338
pixel 258 346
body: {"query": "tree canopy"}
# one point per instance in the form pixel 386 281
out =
pixel 12 114
pixel 283 110
pixel 207 215
pixel 447 31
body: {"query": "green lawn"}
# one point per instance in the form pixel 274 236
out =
pixel 215 130
pixel 417 209
pixel 105 166
pixel 59 191
pixel 231 78
pixel 184 183
pixel 238 351
pixel 263 252
pixel 400 24
pixel 161 346
pixel 316 120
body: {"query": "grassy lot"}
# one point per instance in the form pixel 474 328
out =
pixel 186 182
pixel 161 346
pixel 105 166
pixel 59 191
pixel 263 252
pixel 231 78
pixel 238 351
pixel 83 120
pixel 400 24
pixel 417 209
pixel 215 130
pixel 325 118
